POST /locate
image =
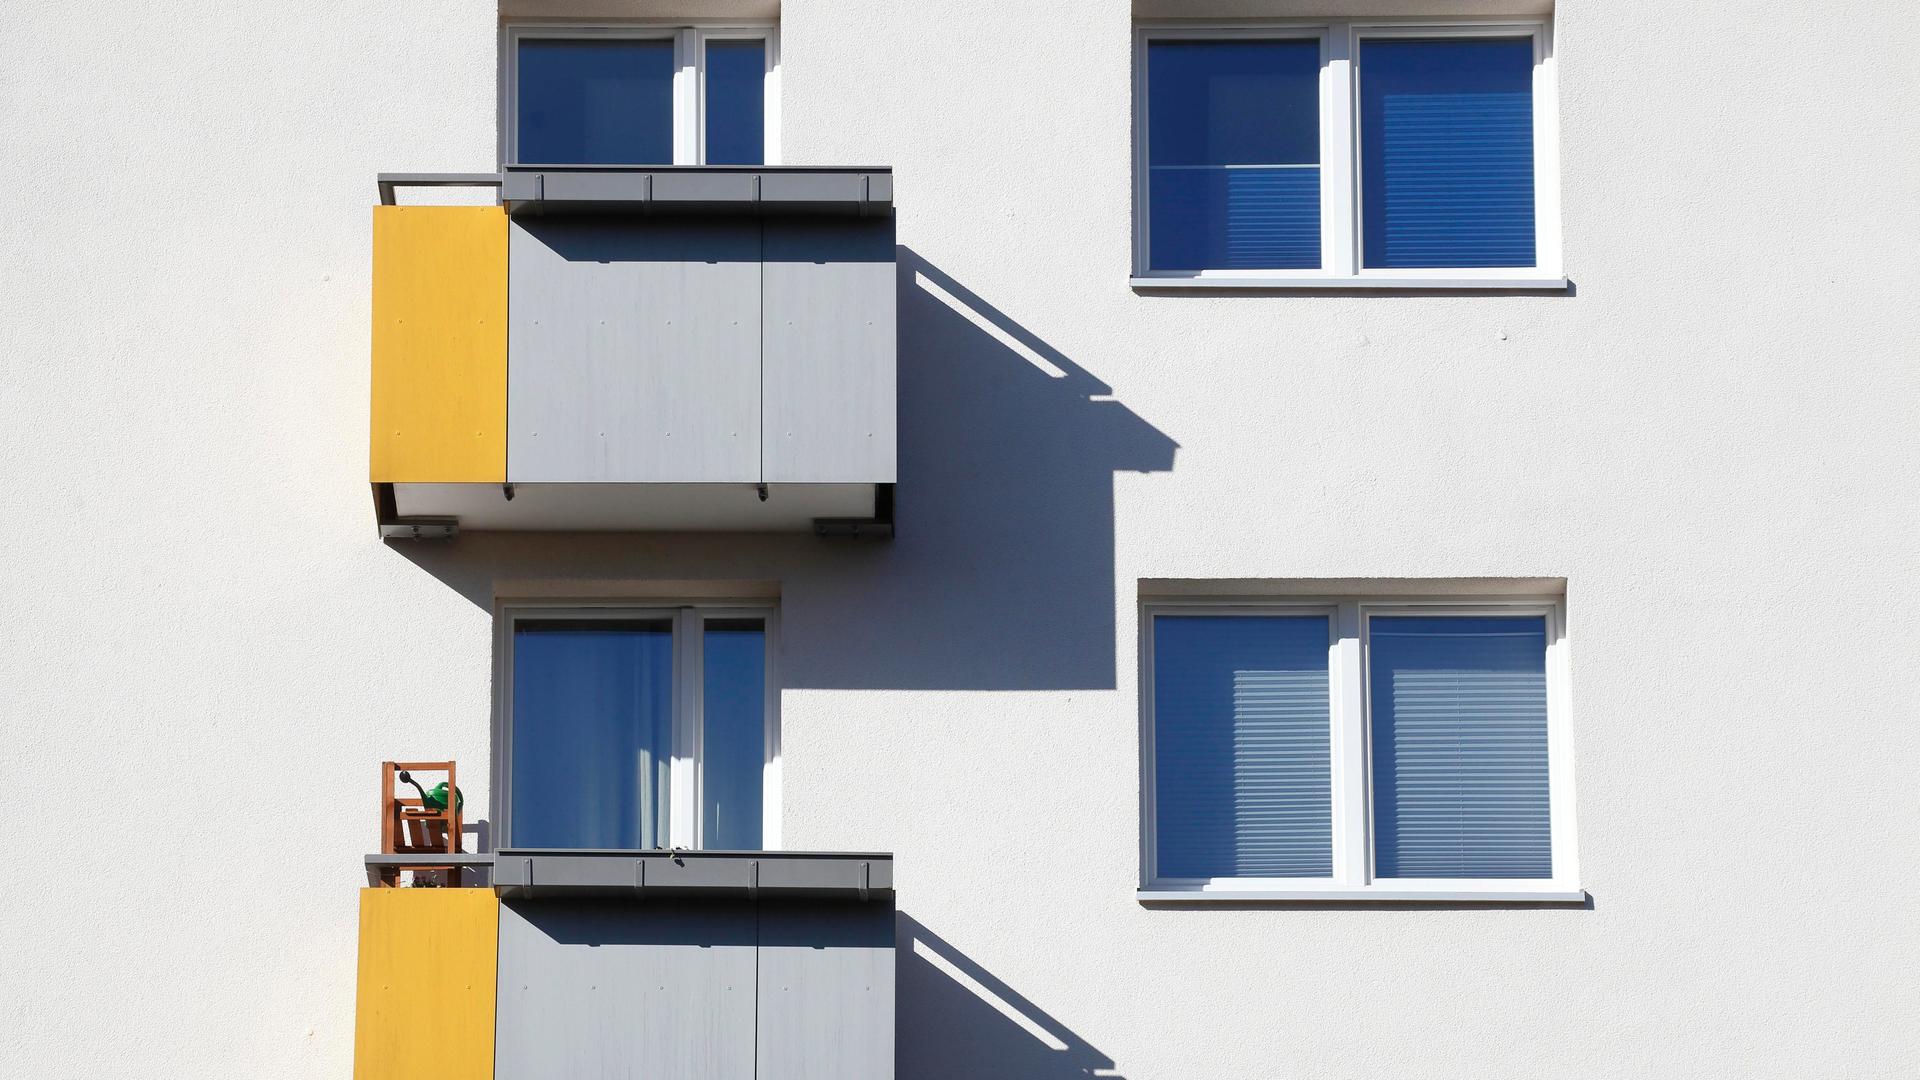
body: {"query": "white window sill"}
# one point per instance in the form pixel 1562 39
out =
pixel 1354 284
pixel 1398 894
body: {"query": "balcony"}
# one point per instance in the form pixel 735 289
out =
pixel 636 348
pixel 567 962
pixel 630 963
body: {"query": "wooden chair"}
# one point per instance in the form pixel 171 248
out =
pixel 408 826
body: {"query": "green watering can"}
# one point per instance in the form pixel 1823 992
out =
pixel 437 798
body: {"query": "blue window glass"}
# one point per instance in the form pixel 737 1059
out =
pixel 1241 746
pixel 1446 153
pixel 592 733
pixel 1233 155
pixel 1459 708
pixel 736 102
pixel 595 102
pixel 733 753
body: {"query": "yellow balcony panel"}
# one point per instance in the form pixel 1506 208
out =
pixel 426 985
pixel 439 344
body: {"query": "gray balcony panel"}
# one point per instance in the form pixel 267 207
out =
pixel 700 964
pixel 826 992
pixel 829 351
pixel 596 989
pixel 633 350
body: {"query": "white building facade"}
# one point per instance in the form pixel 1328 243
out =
pixel 1658 435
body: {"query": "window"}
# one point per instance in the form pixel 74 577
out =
pixel 1347 155
pixel 1234 168
pixel 1355 750
pixel 637 728
pixel 603 95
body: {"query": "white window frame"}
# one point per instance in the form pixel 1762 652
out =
pixel 684 773
pixel 689 80
pixel 1340 204
pixel 1348 654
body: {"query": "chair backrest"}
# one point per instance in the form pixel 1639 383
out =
pixel 407 825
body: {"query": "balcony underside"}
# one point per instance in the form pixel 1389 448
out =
pixel 635 507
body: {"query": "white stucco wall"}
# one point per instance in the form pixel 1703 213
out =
pixel 1713 441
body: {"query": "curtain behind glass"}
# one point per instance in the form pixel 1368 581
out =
pixel 734 746
pixel 736 102
pixel 592 733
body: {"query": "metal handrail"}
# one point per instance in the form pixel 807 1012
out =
pixel 390 180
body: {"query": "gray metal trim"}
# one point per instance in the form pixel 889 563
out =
pixel 388 181
pixel 697 189
pixel 376 863
pixel 544 873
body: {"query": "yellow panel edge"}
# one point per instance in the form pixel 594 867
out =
pixel 439 390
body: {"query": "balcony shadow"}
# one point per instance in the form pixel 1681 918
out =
pixel 1001 575
pixel 956 1020
pixel 600 924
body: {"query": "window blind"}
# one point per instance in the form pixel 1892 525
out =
pixel 1446 152
pixel 1242 770
pixel 1233 154
pixel 1459 722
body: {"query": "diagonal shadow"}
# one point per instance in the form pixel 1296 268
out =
pixel 1002 574
pixel 956 1019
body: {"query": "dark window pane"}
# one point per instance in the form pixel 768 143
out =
pixel 734 747
pixel 1235 219
pixel 1233 102
pixel 595 102
pixel 1446 153
pixel 592 733
pixel 1459 708
pixel 1242 752
pixel 1223 118
pixel 736 102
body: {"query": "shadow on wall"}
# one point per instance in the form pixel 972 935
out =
pixel 956 1020
pixel 1002 574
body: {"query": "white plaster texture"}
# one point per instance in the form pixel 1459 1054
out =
pixel 1712 440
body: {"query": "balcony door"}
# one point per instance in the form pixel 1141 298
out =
pixel 617 94
pixel 636 727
